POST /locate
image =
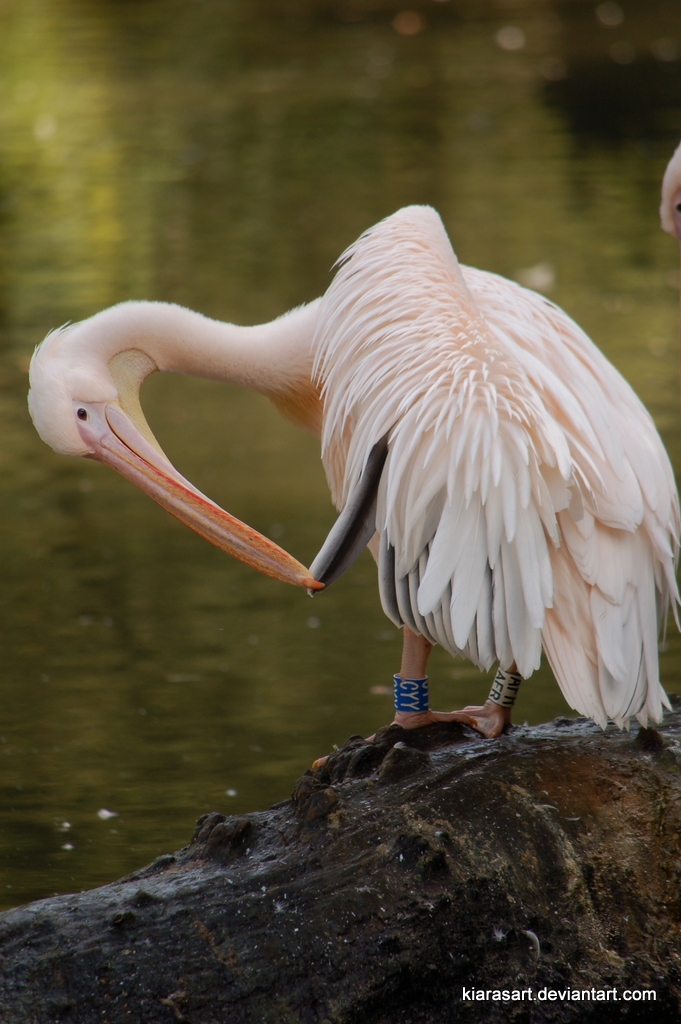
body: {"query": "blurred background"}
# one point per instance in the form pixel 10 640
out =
pixel 222 154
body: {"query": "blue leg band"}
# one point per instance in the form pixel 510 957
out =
pixel 411 694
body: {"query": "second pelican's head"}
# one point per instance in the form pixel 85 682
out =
pixel 670 206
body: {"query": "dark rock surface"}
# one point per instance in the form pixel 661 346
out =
pixel 402 875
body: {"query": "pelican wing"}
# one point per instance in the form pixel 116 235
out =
pixel 526 498
pixel 614 573
pixel 356 524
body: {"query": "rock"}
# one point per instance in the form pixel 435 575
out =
pixel 405 877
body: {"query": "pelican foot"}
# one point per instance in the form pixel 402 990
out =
pixel 417 719
pixel 489 719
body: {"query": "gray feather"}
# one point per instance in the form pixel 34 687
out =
pixel 356 523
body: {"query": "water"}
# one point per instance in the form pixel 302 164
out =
pixel 222 155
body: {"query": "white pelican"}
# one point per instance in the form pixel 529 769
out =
pixel 670 207
pixel 525 500
pixel 513 488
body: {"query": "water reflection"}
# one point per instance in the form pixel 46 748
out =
pixel 222 156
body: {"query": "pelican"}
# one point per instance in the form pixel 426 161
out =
pixel 510 484
pixel 670 206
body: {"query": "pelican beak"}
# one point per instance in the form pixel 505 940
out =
pixel 115 440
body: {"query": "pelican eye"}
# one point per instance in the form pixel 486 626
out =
pixel 81 414
pixel 678 207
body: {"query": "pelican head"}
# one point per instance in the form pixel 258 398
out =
pixel 84 400
pixel 670 207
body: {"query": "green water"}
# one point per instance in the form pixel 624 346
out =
pixel 221 154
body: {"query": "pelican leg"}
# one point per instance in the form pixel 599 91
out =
pixel 415 653
pixel 488 718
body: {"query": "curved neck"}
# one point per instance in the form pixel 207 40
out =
pixel 269 357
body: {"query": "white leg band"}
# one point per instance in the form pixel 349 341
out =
pixel 505 688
